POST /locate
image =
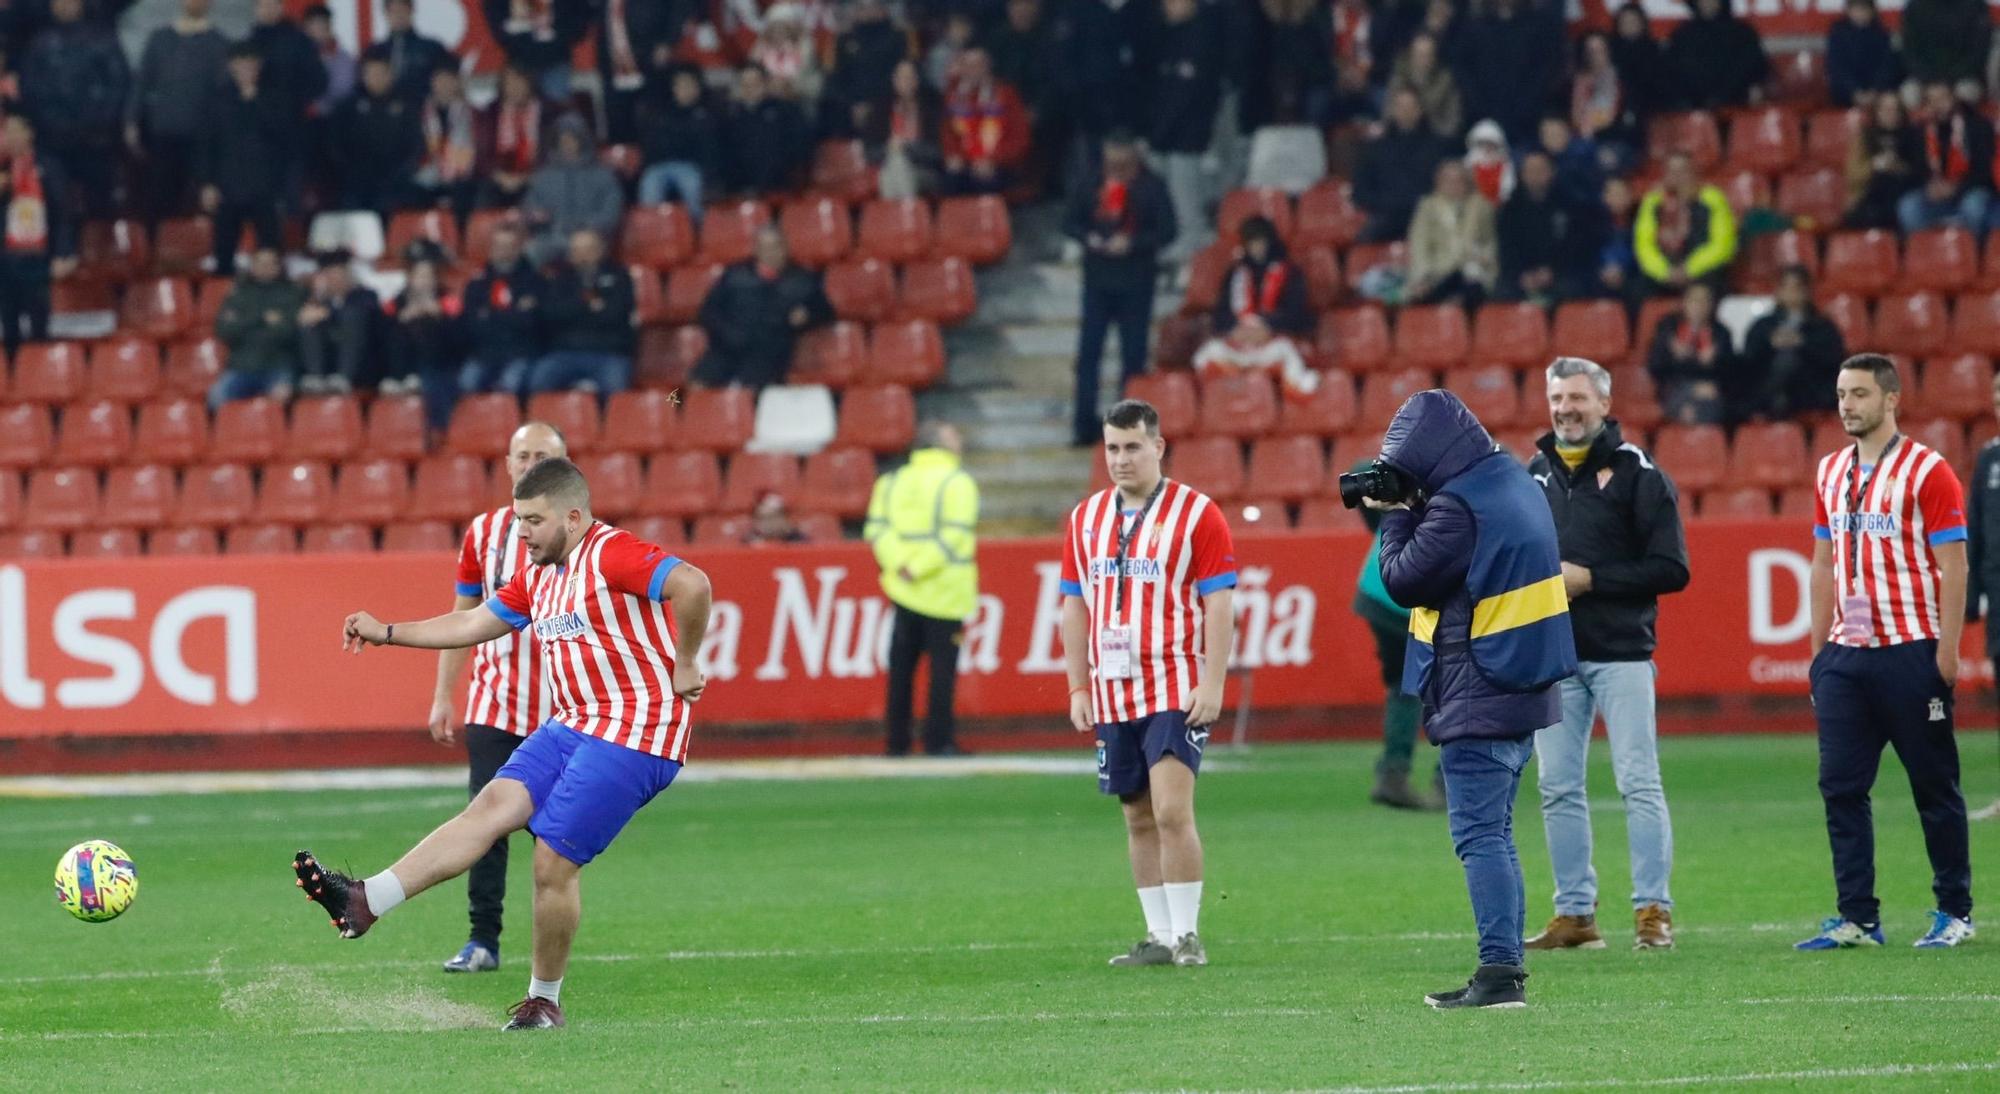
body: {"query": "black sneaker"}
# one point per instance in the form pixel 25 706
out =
pixel 1503 986
pixel 341 896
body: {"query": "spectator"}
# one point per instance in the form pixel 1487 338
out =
pixel 1956 168
pixel 571 191
pixel 538 36
pixel 1685 230
pixel 1693 363
pixel 755 313
pixel 342 71
pixel 1388 183
pixel 903 136
pixel 771 522
pixel 378 143
pixel 865 59
pixel 941 63
pixel 1510 72
pixel 259 324
pixel 411 56
pixel 1579 170
pixel 591 323
pixel 786 54
pixel 75 85
pixel 1716 59
pixel 1794 353
pixel 243 159
pixel 1442 22
pixel 1641 63
pixel 502 308
pixel 1882 164
pixel 985 136
pixel 1545 247
pixel 1861 61
pixel 1102 73
pixel 510 142
pixel 1609 223
pixel 766 137
pixel 1123 219
pixel 1187 92
pixel 1026 52
pixel 1599 107
pixel 1261 312
pixel 681 137
pixel 1356 76
pixel 292 75
pixel 1489 161
pixel 629 32
pixel 178 73
pixel 40 235
pixel 447 176
pixel 423 343
pixel 1946 40
pixel 1420 71
pixel 337 330
pixel 1453 249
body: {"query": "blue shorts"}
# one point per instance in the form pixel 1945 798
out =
pixel 1127 751
pixel 584 788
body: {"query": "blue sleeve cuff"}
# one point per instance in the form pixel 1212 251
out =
pixel 1220 581
pixel 1949 535
pixel 507 615
pixel 1071 588
pixel 1820 531
pixel 660 573
pixel 467 588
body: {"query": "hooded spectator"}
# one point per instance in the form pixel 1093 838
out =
pixel 259 325
pixel 570 192
pixel 1511 71
pixel 681 139
pixel 1794 353
pixel 244 159
pixel 904 134
pixel 378 142
pixel 1685 230
pixel 1394 167
pixel 424 333
pixel 755 314
pixel 985 139
pixel 629 34
pixel 412 57
pixel 178 73
pixel 40 234
pixel 1641 63
pixel 1454 253
pixel 1424 73
pixel 337 331
pixel 1124 219
pixel 539 36
pixel 1955 170
pixel 75 85
pixel 1694 365
pixel 1946 40
pixel 1884 162
pixel 1546 251
pixel 1491 164
pixel 503 319
pixel 448 176
pixel 865 57
pixel 786 53
pixel 1717 59
pixel 765 140
pixel 1261 314
pixel 1861 61
pixel 512 132
pixel 1599 107
pixel 591 322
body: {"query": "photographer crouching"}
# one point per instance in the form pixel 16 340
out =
pixel 1468 544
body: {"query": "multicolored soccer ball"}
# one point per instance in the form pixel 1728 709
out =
pixel 96 881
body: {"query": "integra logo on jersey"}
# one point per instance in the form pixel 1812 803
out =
pixel 558 627
pixel 1145 569
pixel 1873 524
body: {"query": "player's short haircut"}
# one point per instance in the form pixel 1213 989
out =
pixel 1134 414
pixel 1562 368
pixel 1881 366
pixel 533 423
pixel 556 479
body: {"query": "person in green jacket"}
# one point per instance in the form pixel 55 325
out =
pixel 921 521
pixel 1684 231
pixel 1390 623
pixel 259 322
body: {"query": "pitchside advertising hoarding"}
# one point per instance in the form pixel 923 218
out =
pixel 798 634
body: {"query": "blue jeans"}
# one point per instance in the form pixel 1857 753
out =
pixel 1623 692
pixel 678 177
pixel 611 373
pixel 507 377
pixel 1917 212
pixel 1480 780
pixel 231 386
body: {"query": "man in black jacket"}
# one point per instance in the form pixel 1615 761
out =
pixel 40 236
pixel 755 314
pixel 1187 90
pixel 243 159
pixel 503 319
pixel 412 57
pixel 179 71
pixel 1123 221
pixel 865 56
pixel 74 87
pixel 337 329
pixel 378 141
pixel 1622 548
pixel 1795 352
pixel 765 137
pixel 539 38
pixel 1396 168
pixel 589 312
pixel 1546 253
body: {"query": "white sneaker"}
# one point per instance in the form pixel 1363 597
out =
pixel 1946 931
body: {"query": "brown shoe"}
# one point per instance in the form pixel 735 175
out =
pixel 1568 932
pixel 1652 928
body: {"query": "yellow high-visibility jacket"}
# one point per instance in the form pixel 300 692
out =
pixel 920 522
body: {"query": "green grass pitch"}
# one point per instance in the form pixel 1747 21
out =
pixel 951 934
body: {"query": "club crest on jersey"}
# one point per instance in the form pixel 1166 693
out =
pixel 1145 569
pixel 1872 524
pixel 558 627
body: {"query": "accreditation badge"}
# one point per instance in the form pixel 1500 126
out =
pixel 1857 618
pixel 1115 653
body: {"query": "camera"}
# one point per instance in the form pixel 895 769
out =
pixel 1378 480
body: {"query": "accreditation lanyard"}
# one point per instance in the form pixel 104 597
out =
pixel 503 553
pixel 1126 534
pixel 1854 499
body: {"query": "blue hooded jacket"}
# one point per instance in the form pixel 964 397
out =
pixel 1490 635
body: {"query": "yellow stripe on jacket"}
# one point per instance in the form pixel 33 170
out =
pixel 1519 607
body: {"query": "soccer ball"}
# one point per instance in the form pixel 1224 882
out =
pixel 96 881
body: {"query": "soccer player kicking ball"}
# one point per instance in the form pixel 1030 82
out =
pixel 1147 578
pixel 623 678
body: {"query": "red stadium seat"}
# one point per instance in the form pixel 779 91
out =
pixel 1849 312
pixel 729 230
pixel 1865 262
pixel 481 425
pixel 658 237
pixel 1326 285
pixel 667 357
pixel 1975 323
pixel 1383 393
pixel 449 487
pixel 833 356
pixel 640 421
pixel 1989 265
pixel 882 418
pixel 1240 404
pixel 49 372
pixel 837 481
pixel 1238 206
pixel 1327 216
pixel 818 230
pixel 180 245
pixel 1431 337
pixel 424 535
pixel 751 475
pixel 144 496
pixel 1796 504
pixel 1770 455
pixel 841 168
pixel 433 225
pixel 1173 394
pixel 1816 196
pixel 248 431
pixel 373 491
pixel 1942 434
pixel 1693 132
pixel 1289 468
pixel 10 498
pixel 181 542
pixel 1636 404
pixel 1698 455
pixel 1355 339
pixel 260 539
pixel 1327 412
pixel 72 296
pixel 617 483
pixel 1363 257
pixel 687 288
pixel 1652 312
pixel 1212 465
pixel 905 351
pixel 896 229
pixel 682 484
pixel 324 427
pixel 819 527
pixel 1735 503
pixel 573 413
pixel 294 492
pixel 975 229
pixel 1943 259
pixel 1916 324
pixel 94 433
pixel 1328 515
pixel 1764 256
pixel 1596 330
pixel 1744 189
pixel 61 499
pixel 1512 334
pixel 125 369
pixel 863 289
pixel 659 531
pixel 1798 77
pixel 172 432
pixel 938 289
pixel 105 543
pixel 1491 392
pixel 327 539
pixel 160 308
pixel 1958 387
pixel 1206 272
pixel 113 250
pixel 649 297
pixel 1265 514
pixel 1981 433
pixel 395 427
pixel 717 419
pixel 194 366
pixel 1828 135
pixel 1177 337
pixel 1764 139
pixel 31 544
pixel 720 529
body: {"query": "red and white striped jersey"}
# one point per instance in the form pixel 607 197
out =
pixel 1181 554
pixel 606 640
pixel 1913 503
pixel 507 691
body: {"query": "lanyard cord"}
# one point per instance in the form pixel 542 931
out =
pixel 1129 532
pixel 1854 501
pixel 503 553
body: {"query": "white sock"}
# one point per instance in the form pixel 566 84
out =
pixel 1184 903
pixel 1159 922
pixel 384 890
pixel 545 989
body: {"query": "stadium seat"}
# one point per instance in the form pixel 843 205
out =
pixel 1817 196
pixel 649 297
pixel 818 527
pixel 1238 404
pixel 1865 262
pixel 94 434
pixel 181 542
pixel 260 539
pixel 395 427
pixel 113 251
pixel 1914 323
pixel 1263 514
pixel 294 492
pixel 573 413
pixel 1328 515
pixel 863 289
pixel 10 498
pixel 818 230
pixel 51 373
pixel 61 499
pixel 105 543
pixel 437 226
pixel 324 427
pixel 1354 339
pixel 974 228
pixel 1983 431
pixel 682 484
pixel 938 289
pixel 1796 504
pixel 1942 259
pixel 1326 284
pixel 1327 216
pixel 1744 189
pixel 209 293
pixel 881 418
pixel 1735 503
pixel 179 245
pixel 617 483
pixel 720 529
pixel 658 237
pixel 792 418
pixel 1975 323
pixel 160 308
pixel 90 301
pixel 841 168
pixel 1693 132
pixel 717 419
pixel 1212 465
pixel 1652 311
pixel 1828 134
pixel 31 544
pixel 141 496
pixel 1764 139
pixel 1238 206
pixel 1512 334
pixel 481 425
pixel 1849 312
pixel 1959 387
pixel 193 366
pixel 1364 257
pixel 834 356
pixel 1770 455
pixel 729 230
pixel 248 431
pixel 449 487
pixel 895 229
pixel 1596 330
pixel 172 432
pixel 837 481
pixel 479 229
pixel 1492 393
pixel 1798 78
pixel 1173 394
pixel 423 535
pixel 1697 454
pixel 345 538
pixel 659 531
pixel 1383 393
pixel 668 356
pixel 1634 402
pixel 640 421
pixel 1764 256
pixel 1942 434
pixel 1288 468
pixel 1432 336
pixel 373 491
pixel 751 475
pixel 1177 337
pixel 125 369
pixel 1327 412
pixel 1205 273
pixel 687 288
pixel 904 351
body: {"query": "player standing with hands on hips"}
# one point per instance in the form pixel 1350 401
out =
pixel 1148 580
pixel 1888 604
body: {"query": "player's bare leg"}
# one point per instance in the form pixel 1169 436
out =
pixel 1142 839
pixel 558 909
pixel 1172 794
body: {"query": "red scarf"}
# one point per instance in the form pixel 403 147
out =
pixel 906 122
pixel 1351 27
pixel 1693 340
pixel 27 213
pixel 977 121
pixel 1268 288
pixel 1675 223
pixel 1950 163
pixel 1487 178
pixel 519 137
pixel 625 74
pixel 1113 203
pixel 448 147
pixel 499 295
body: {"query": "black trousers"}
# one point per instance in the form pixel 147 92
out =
pixel 486 883
pixel 230 215
pixel 24 299
pixel 1131 308
pixel 1864 699
pixel 913 636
